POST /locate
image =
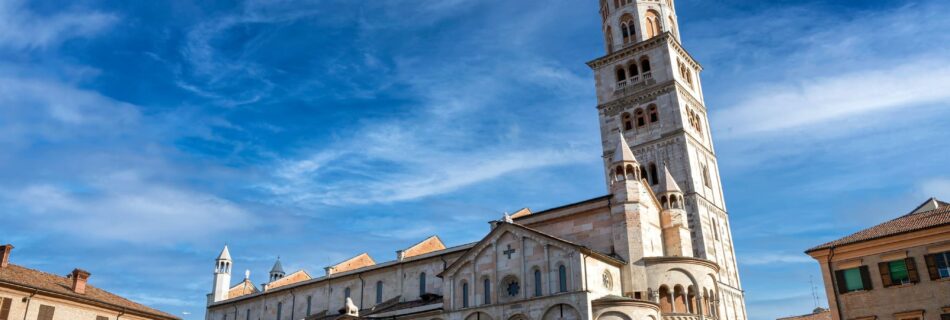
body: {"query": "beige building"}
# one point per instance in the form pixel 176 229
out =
pixel 897 270
pixel 30 294
pixel 657 246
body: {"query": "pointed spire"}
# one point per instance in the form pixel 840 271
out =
pixel 225 254
pixel 278 268
pixel 623 153
pixel 669 184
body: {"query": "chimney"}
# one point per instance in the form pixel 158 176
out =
pixel 79 277
pixel 5 255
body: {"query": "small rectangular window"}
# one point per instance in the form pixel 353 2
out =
pixel 102 318
pixel 945 316
pixel 46 312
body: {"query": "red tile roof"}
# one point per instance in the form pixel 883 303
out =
pixel 818 314
pixel 14 275
pixel 914 221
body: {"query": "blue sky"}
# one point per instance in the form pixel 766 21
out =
pixel 140 137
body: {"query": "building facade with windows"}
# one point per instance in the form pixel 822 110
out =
pixel 897 270
pixel 657 246
pixel 35 295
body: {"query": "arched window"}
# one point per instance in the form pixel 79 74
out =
pixel 562 278
pixel 663 202
pixel 641 118
pixel 379 292
pixel 280 308
pixel 666 300
pixel 645 65
pixel 672 26
pixel 309 304
pixel 652 24
pixel 422 284
pixel 654 115
pixel 626 28
pixel 487 293
pixel 537 283
pixel 643 172
pixel 691 299
pixel 465 295
pixel 346 293
pixel 679 300
pixel 706 180
pixel 627 121
pixel 631 172
pixel 633 71
pixel 654 178
pixel 619 173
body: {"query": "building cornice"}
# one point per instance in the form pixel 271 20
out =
pixel 82 300
pixel 636 48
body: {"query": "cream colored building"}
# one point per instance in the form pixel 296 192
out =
pixel 897 270
pixel 30 294
pixel 657 246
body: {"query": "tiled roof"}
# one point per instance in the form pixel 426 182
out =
pixel 295 277
pixel 25 277
pixel 243 288
pixel 818 314
pixel 911 222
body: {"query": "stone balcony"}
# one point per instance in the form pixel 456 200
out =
pixel 683 316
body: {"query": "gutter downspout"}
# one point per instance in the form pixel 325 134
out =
pixel 293 305
pixel 362 287
pixel 28 300
pixel 834 286
pixel 122 314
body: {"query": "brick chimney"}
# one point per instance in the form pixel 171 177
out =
pixel 5 255
pixel 79 277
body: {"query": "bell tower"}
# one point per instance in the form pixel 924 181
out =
pixel 650 95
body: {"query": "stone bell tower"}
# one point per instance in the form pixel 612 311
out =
pixel 649 92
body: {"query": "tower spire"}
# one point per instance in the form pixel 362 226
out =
pixel 222 276
pixel 277 271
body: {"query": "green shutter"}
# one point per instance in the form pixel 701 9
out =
pixel 852 280
pixel 898 272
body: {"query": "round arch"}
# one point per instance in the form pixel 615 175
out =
pixel 613 315
pixel 561 311
pixel 477 315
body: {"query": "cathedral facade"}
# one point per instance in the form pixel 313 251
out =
pixel 658 246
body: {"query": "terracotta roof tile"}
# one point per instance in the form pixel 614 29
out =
pixel 26 277
pixel 243 288
pixel 907 223
pixel 818 315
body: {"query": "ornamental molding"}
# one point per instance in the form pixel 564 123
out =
pixel 649 94
pixel 632 50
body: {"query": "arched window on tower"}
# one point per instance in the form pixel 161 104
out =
pixel 633 71
pixel 643 172
pixel 608 39
pixel 652 24
pixel 654 178
pixel 627 30
pixel 706 180
pixel 645 65
pixel 621 75
pixel 654 115
pixel 641 118
pixel 627 121
pixel 672 26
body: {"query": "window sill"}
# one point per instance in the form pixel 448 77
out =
pixel 855 293
pixel 910 284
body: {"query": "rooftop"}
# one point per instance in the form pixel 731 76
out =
pixel 919 219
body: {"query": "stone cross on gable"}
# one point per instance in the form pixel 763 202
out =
pixel 509 251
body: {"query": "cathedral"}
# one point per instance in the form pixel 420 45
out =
pixel 657 246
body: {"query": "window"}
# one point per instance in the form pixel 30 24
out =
pixel 379 292
pixel 465 295
pixel 894 273
pixel 225 317
pixel 247 315
pixel 97 318
pixel 854 279
pixel 627 121
pixel 512 286
pixel 654 115
pixel 641 119
pixel 309 300
pixel 46 312
pixel 280 305
pixel 654 178
pixel 626 28
pixel 706 180
pixel 608 280
pixel 562 278
pixel 653 28
pixel 346 293
pixel 5 308
pixel 645 65
pixel 537 283
pixel 487 291
pixel 422 284
pixel 632 70
pixel 938 265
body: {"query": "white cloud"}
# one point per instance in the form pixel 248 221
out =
pixel 22 29
pixel 123 207
pixel 823 100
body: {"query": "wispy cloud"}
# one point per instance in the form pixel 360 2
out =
pixel 21 28
pixel 753 259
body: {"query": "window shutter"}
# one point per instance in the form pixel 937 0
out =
pixel 912 270
pixel 866 278
pixel 931 260
pixel 5 308
pixel 102 318
pixel 46 313
pixel 885 269
pixel 839 278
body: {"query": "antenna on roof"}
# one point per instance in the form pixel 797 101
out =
pixel 814 290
